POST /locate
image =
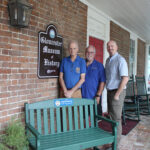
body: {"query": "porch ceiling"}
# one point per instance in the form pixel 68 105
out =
pixel 133 14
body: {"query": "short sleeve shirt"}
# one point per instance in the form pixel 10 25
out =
pixel 95 74
pixel 116 67
pixel 72 70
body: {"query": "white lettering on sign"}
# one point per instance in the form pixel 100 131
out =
pixel 50 71
pixel 51 63
pixel 50 51
pixel 50 42
pixel 63 102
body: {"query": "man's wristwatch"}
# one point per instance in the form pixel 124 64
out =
pixel 97 95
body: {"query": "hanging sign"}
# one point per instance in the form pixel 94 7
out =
pixel 50 52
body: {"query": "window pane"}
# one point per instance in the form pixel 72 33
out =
pixel 131 57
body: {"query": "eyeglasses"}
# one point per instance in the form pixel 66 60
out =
pixel 90 52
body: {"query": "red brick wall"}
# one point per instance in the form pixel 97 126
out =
pixel 19 50
pixel 141 51
pixel 122 37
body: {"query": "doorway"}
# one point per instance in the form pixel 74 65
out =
pixel 99 45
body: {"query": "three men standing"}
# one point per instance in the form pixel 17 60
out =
pixel 72 76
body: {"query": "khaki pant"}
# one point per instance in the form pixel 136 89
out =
pixel 76 94
pixel 115 109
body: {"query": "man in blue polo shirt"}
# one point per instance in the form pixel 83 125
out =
pixel 95 77
pixel 72 72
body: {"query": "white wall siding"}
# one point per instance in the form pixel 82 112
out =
pixel 98 26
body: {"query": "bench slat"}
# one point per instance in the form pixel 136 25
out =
pixel 64 119
pixel 39 121
pixel 86 116
pixel 91 115
pixel 58 120
pixel 52 128
pixel 81 117
pixel 70 118
pixel 96 114
pixel 45 121
pixel 76 118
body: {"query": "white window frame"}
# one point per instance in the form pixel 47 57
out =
pixel 131 57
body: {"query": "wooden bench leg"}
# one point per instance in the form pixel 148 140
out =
pixel 114 145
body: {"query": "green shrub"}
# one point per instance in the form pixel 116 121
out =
pixel 3 147
pixel 15 138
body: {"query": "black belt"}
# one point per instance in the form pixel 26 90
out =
pixel 112 90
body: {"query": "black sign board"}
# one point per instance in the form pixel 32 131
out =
pixel 50 53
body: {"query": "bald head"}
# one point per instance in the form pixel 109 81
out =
pixel 112 41
pixel 73 48
pixel 112 47
pixel 73 42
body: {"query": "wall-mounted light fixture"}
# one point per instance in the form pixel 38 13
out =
pixel 19 12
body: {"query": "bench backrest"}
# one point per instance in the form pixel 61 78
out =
pixel 61 115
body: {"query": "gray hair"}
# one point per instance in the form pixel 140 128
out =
pixel 92 47
pixel 73 41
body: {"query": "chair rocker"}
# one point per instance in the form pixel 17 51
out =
pixel 131 104
pixel 142 95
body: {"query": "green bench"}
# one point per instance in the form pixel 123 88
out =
pixel 64 124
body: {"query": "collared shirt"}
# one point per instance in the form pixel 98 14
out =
pixel 95 74
pixel 72 70
pixel 116 67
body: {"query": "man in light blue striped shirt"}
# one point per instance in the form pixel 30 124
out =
pixel 116 69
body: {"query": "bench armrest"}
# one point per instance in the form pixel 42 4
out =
pixel 33 130
pixel 114 123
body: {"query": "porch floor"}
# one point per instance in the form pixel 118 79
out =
pixel 138 138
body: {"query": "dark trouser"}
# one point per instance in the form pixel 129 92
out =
pixel 99 107
pixel 115 109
